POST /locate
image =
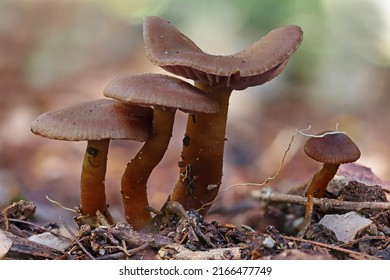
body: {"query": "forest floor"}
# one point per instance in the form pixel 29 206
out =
pixel 352 222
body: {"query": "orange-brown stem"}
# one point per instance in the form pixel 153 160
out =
pixel 137 173
pixel 308 216
pixel 93 196
pixel 320 180
pixel 202 156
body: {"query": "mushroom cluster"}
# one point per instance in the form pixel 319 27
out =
pixel 202 155
pixel 142 108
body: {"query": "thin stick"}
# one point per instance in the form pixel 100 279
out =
pixel 365 238
pixel 324 204
pixel 27 223
pixel 59 204
pixel 124 252
pixel 76 239
pixel 332 247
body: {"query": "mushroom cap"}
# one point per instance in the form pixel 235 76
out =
pixel 168 48
pixel 96 120
pixel 333 148
pixel 162 91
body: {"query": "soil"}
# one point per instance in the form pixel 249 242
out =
pixel 178 234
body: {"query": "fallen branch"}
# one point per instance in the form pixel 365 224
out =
pixel 134 238
pixel 122 255
pixel 350 253
pixel 324 204
pixel 24 249
pixel 180 252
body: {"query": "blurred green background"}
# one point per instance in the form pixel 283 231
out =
pixel 58 53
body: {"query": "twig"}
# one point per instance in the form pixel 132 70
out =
pixel 22 248
pixel 60 205
pixel 121 255
pixel 324 204
pixel 180 252
pixel 76 239
pixel 365 238
pixel 352 254
pixel 27 223
pixel 102 219
pixel 134 238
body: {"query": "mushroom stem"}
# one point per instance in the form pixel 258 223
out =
pixel 93 196
pixel 137 173
pixel 202 154
pixel 320 180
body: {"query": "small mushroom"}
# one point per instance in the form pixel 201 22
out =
pixel 165 94
pixel 218 76
pixel 96 122
pixel 332 149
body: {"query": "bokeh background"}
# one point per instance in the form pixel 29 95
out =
pixel 56 53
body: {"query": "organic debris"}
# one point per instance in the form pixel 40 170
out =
pixel 358 214
pixel 178 234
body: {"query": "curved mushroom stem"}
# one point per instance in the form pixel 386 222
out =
pixel 320 180
pixel 137 173
pixel 93 196
pixel 202 155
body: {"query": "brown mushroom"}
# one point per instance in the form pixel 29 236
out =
pixel 96 122
pixel 166 94
pixel 332 149
pixel 218 76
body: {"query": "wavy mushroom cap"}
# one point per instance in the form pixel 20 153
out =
pixel 168 48
pixel 334 148
pixel 96 120
pixel 162 91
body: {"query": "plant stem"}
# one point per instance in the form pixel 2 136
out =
pixel 202 155
pixel 93 196
pixel 320 180
pixel 137 173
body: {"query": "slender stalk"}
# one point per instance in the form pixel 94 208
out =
pixel 137 173
pixel 202 155
pixel 320 180
pixel 93 196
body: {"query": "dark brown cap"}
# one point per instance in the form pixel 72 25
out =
pixel 265 59
pixel 96 120
pixel 161 91
pixel 332 148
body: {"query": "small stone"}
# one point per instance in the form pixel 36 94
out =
pixel 386 230
pixel 57 242
pixel 336 185
pixel 268 242
pixel 345 226
pixel 5 244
